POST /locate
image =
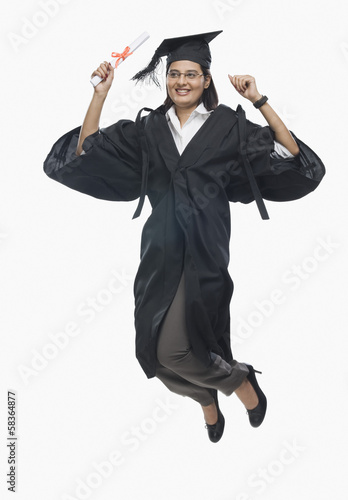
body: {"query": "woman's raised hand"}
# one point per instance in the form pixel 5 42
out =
pixel 245 85
pixel 105 71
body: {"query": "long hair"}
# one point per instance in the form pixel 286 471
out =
pixel 209 97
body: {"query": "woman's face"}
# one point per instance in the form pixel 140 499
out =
pixel 183 92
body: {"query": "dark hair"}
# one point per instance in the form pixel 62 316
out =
pixel 209 97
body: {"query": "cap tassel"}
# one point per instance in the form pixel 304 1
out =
pixel 150 71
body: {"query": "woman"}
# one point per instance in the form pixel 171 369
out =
pixel 191 157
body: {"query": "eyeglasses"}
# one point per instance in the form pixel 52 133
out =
pixel 191 75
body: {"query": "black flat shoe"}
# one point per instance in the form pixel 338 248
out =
pixel 257 414
pixel 216 431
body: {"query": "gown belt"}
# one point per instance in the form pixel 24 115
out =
pixel 145 161
pixel 242 145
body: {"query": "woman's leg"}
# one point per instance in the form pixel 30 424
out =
pixel 174 353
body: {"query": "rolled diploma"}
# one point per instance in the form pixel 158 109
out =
pixel 133 46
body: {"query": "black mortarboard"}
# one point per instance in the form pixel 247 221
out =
pixel 192 48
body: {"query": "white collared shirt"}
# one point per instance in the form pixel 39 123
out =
pixel 183 135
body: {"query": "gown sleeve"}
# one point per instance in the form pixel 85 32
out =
pixel 278 178
pixel 109 168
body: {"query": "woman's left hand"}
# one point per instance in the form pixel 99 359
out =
pixel 245 85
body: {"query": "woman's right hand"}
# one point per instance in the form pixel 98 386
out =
pixel 105 71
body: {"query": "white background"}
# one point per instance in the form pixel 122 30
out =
pixel 60 249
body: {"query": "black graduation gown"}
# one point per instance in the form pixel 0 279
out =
pixel 189 227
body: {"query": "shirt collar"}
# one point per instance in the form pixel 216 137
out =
pixel 201 109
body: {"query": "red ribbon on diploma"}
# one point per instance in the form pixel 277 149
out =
pixel 122 56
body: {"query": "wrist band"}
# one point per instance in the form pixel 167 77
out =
pixel 260 102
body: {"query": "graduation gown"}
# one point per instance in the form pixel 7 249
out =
pixel 189 227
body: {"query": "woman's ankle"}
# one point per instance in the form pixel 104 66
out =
pixel 246 393
pixel 210 413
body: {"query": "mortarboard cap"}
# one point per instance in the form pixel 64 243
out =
pixel 192 48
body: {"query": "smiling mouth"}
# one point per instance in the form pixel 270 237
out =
pixel 182 91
